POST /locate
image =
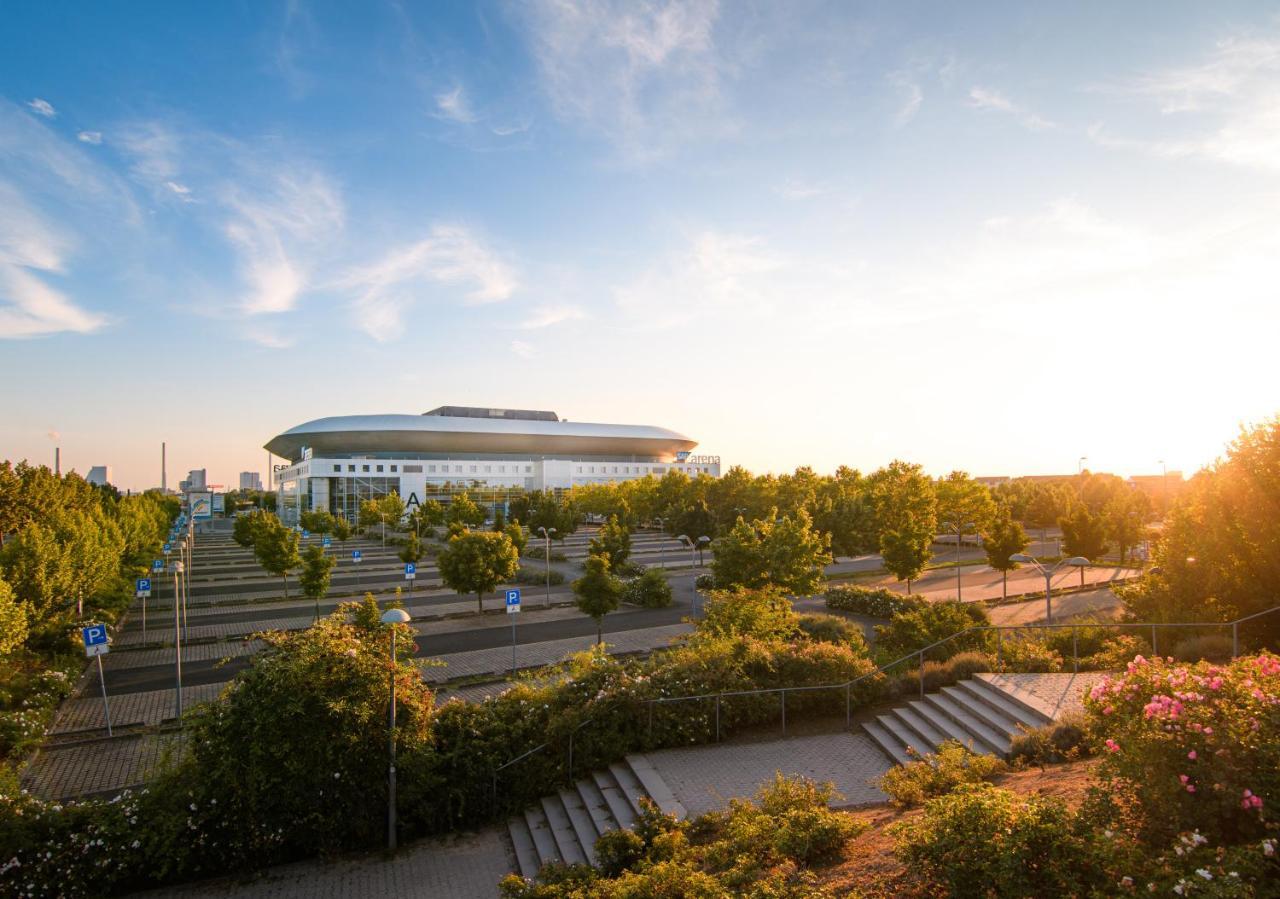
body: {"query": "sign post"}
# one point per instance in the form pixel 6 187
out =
pixel 356 556
pixel 513 608
pixel 410 573
pixel 143 589
pixel 96 646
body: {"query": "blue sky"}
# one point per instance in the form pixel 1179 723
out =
pixel 994 237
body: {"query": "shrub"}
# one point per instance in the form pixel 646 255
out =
pixel 1197 747
pixel 618 851
pixel 1209 647
pixel 917 628
pixel 874 602
pixel 833 629
pixel 1116 653
pixel 765 612
pixel 980 838
pixel 628 569
pixel 1028 654
pixel 1063 740
pixel 536 576
pixel 938 773
pixel 650 590
pixel 537 550
pixel 704 582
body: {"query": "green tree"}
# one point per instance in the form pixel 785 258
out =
pixel 612 540
pixel 391 511
pixel 650 590
pixel 276 548
pixel 465 512
pixel 369 515
pixel 598 592
pixel 342 530
pixel 519 539
pixel 426 516
pixel 1083 533
pixel 963 501
pixel 318 521
pixel 1125 519
pixel 1046 504
pixel 411 552
pixel 477 562
pixel 905 504
pixel 906 552
pixel 315 575
pixel 245 530
pixel 764 613
pixel 1003 539
pixel 786 553
pixel 13 621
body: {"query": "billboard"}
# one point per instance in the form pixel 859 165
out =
pixel 219 502
pixel 201 505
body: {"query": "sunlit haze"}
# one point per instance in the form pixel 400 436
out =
pixel 990 237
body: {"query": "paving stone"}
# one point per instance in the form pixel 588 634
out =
pixel 63 772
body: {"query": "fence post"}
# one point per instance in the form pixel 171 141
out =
pixel 1075 652
pixel 784 713
pixel 571 733
pixel 1154 650
pixel 650 722
pixel 921 655
pixel 999 648
pixel 848 704
pixel 1235 639
pixel 717 717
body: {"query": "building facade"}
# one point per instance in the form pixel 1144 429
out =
pixel 492 454
pixel 99 475
pixel 250 480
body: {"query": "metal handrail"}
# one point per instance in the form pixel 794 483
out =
pixel 917 654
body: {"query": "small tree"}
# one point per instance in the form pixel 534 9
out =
pixel 598 592
pixel 1083 533
pixel 787 554
pixel 477 562
pixel 13 621
pixel 517 535
pixel 905 552
pixel 317 521
pixel 342 530
pixel 411 552
pixel 276 548
pixel 650 590
pixel 463 511
pixel 390 511
pixel 612 540
pixel 315 575
pixel 370 514
pixel 1004 539
pixel 246 528
pixel 1125 517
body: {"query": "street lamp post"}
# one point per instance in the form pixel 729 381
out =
pixel 546 534
pixel 177 639
pixel 1077 561
pixel 684 538
pixel 958 528
pixel 1080 464
pixel 392 617
pixel 703 541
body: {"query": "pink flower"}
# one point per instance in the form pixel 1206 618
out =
pixel 1191 788
pixel 1249 800
pixel 1112 745
pixel 1192 755
pixel 1184 779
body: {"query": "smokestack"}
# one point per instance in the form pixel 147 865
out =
pixel 164 475
pixel 57 460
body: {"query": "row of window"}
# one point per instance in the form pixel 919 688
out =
pixel 444 469
pixel 604 469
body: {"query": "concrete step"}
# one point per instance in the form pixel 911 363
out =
pixel 655 786
pixel 568 847
pixel 891 745
pixel 1016 693
pixel 526 853
pixel 945 725
pixel 583 827
pixel 621 810
pixel 983 692
pixel 544 842
pixel 984 738
pixel 903 734
pixel 988 715
pixel 630 785
pixel 596 807
pixel 925 732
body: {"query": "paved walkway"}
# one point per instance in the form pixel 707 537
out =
pixel 66 771
pixel 465 867
pixel 150 707
pixel 1055 695
pixel 1091 603
pixel 705 778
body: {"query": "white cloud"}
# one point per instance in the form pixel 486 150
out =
pixel 269 339
pixel 155 150
pixel 449 256
pixel 912 96
pixel 30 307
pixel 90 137
pixel 522 349
pixel 453 105
pixel 986 99
pixel 546 316
pixel 180 189
pixel 43 107
pixel 1225 109
pixel 645 75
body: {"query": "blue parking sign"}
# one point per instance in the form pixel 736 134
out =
pixel 143 586
pixel 513 601
pixel 326 541
pixel 355 555
pixel 157 565
pixel 306 533
pixel 95 639
pixel 410 571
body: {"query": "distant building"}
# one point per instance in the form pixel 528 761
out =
pixel 196 481
pixel 994 481
pixel 100 475
pixel 250 480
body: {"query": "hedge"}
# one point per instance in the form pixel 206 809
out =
pixel 874 602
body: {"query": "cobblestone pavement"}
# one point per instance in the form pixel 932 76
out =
pixel 468 866
pixel 1099 603
pixel 1053 694
pixel 151 707
pixel 532 655
pixel 198 652
pixel 982 582
pixel 65 771
pixel 705 778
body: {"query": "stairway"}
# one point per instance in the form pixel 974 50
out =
pixel 982 713
pixel 564 826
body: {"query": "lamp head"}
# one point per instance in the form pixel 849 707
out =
pixel 1021 557
pixel 395 616
pixel 1078 561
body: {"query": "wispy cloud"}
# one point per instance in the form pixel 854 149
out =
pixel 90 137
pixel 269 338
pixel 986 99
pixel 1226 108
pixel 180 189
pixel 911 96
pixel 43 107
pixel 546 316
pixel 646 76
pixel 29 306
pixel 522 349
pixel 154 149
pixel 449 256
pixel 453 105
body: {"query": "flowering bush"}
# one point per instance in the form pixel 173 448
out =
pixel 1196 746
pixel 937 773
pixel 874 602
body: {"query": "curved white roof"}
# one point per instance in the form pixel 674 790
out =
pixel 355 434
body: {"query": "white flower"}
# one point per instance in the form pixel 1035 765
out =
pixel 1204 872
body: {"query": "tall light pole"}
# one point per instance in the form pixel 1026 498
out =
pixel 958 528
pixel 546 535
pixel 392 617
pixel 703 541
pixel 1080 464
pixel 1078 561
pixel 177 639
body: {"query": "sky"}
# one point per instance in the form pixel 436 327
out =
pixel 993 237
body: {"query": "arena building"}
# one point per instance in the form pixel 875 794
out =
pixel 335 463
